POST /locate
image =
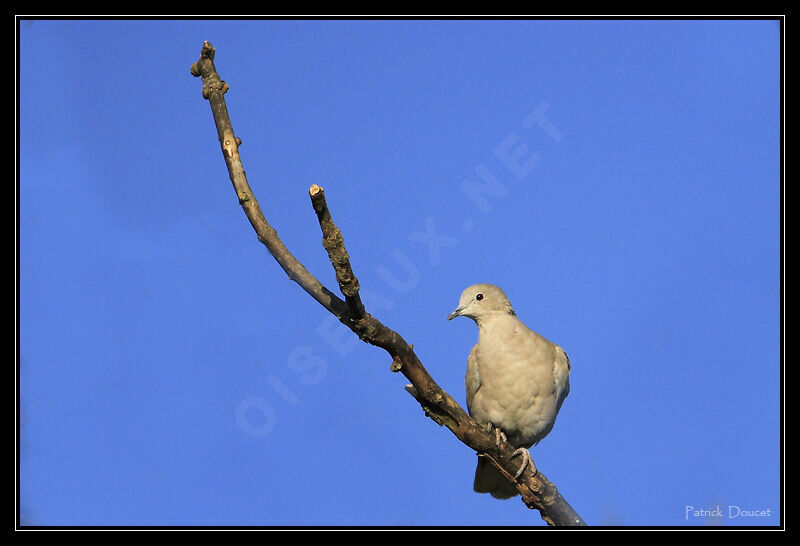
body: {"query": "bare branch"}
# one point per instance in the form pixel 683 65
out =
pixel 536 490
pixel 333 242
pixel 214 90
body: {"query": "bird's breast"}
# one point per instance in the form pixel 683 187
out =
pixel 516 392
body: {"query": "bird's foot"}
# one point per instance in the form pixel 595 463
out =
pixel 499 438
pixel 526 460
pixel 499 435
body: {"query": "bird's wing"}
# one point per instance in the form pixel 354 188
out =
pixel 473 379
pixel 561 369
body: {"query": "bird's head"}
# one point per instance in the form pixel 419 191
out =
pixel 481 300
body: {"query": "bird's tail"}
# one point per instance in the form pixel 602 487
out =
pixel 489 480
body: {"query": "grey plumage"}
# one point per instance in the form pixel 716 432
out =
pixel 516 379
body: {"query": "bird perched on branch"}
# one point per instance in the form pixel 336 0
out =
pixel 516 381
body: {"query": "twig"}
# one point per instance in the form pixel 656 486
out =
pixel 536 490
pixel 333 242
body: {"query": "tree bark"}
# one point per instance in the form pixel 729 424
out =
pixel 536 491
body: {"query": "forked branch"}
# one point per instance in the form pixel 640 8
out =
pixel 536 490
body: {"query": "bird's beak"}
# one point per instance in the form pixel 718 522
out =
pixel 456 313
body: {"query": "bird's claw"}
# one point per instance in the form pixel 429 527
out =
pixel 499 438
pixel 526 460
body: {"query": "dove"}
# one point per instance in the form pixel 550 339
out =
pixel 516 381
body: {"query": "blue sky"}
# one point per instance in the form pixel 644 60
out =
pixel 629 205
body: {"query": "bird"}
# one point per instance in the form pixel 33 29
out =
pixel 516 382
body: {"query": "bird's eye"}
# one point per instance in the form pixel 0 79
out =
pixel 479 297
